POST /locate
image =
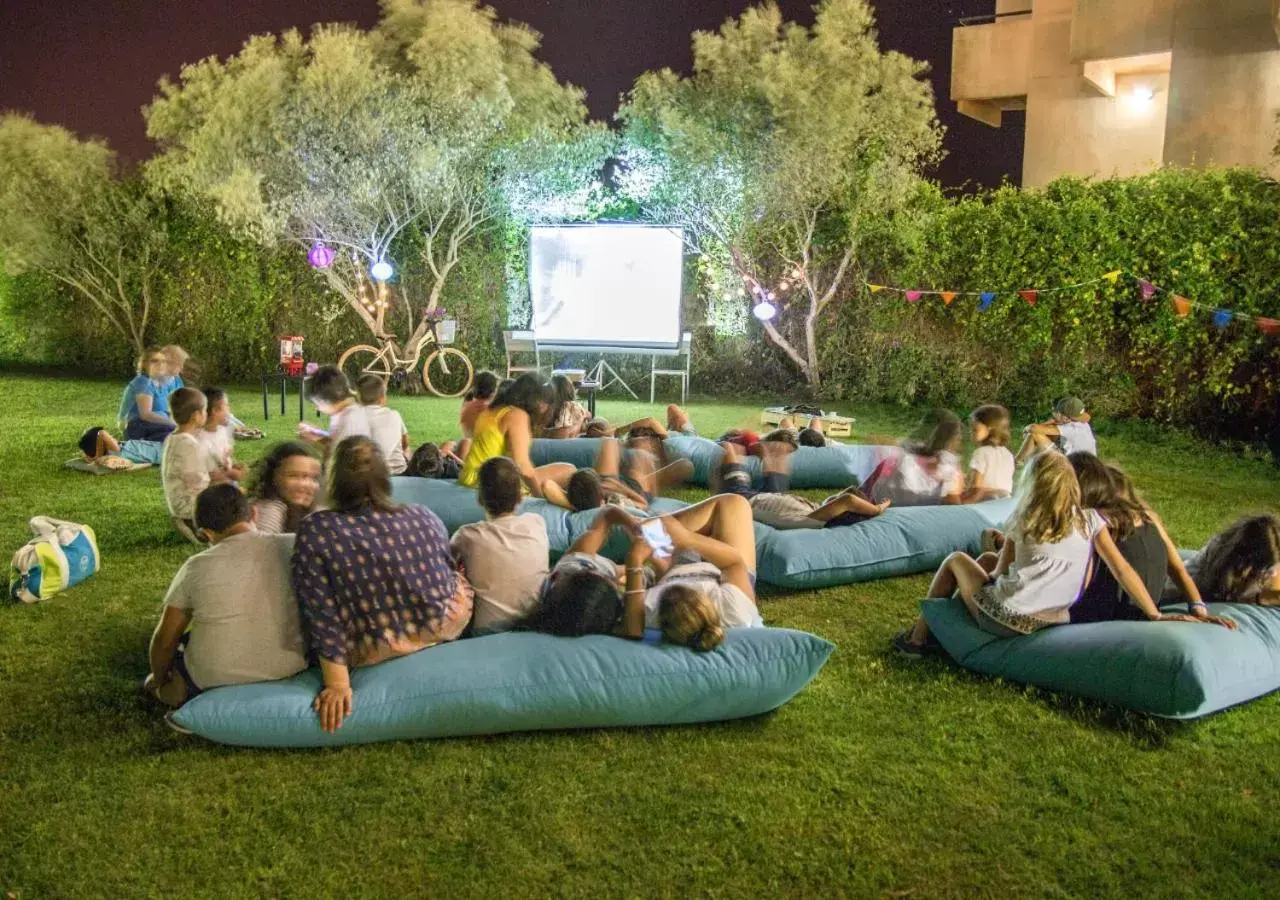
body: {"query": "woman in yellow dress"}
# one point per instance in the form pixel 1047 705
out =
pixel 506 429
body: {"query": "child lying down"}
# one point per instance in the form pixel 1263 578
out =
pixel 99 446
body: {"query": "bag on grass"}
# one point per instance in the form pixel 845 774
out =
pixel 61 555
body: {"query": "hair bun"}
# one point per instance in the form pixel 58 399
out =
pixel 708 638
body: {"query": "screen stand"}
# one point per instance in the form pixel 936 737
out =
pixel 597 374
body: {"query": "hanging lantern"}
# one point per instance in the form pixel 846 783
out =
pixel 381 270
pixel 764 311
pixel 320 255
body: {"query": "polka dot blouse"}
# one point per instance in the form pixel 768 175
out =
pixel 370 577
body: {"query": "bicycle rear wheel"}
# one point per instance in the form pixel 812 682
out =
pixel 364 360
pixel 447 372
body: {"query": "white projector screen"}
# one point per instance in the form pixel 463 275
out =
pixel 606 285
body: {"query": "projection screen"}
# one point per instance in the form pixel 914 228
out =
pixel 606 286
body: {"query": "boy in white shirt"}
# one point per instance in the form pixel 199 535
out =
pixel 184 469
pixel 237 600
pixel 505 557
pixel 217 438
pixel 1068 430
pixel 386 427
pixel 331 394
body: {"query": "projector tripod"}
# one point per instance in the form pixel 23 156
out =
pixel 598 373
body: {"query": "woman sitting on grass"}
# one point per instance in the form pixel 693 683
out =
pixel 692 603
pixel 1241 565
pixel 1042 567
pixel 284 486
pixel 1142 541
pixel 374 580
pixel 144 407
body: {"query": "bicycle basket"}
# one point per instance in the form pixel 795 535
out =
pixel 447 330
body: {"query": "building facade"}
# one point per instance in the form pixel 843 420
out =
pixel 1121 87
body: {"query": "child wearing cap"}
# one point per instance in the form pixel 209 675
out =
pixel 1068 430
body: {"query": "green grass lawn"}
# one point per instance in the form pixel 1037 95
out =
pixel 883 777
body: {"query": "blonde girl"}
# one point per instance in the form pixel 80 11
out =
pixel 991 465
pixel 1042 568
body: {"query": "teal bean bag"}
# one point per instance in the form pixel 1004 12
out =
pixel 522 682
pixel 837 466
pixel 812 467
pixel 1174 670
pixel 457 506
pixel 902 541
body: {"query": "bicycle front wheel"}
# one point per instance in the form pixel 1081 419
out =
pixel 447 372
pixel 364 360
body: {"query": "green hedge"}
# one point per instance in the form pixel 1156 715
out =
pixel 1213 237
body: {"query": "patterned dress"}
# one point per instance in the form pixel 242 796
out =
pixel 372 577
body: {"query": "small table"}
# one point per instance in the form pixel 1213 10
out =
pixel 284 380
pixel 833 425
pixel 589 388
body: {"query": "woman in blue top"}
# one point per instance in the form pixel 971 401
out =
pixel 144 408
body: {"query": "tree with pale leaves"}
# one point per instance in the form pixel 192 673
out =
pixel 419 134
pixel 65 213
pixel 785 155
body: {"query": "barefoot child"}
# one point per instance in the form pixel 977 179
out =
pixel 98 443
pixel 773 505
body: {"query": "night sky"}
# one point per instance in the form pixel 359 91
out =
pixel 91 66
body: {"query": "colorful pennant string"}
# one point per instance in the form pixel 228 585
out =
pixel 1148 290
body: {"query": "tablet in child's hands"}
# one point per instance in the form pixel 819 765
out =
pixel 306 429
pixel 655 535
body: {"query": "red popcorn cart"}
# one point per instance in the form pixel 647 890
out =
pixel 292 363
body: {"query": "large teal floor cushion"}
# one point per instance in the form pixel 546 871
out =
pixel 1175 670
pixel 812 467
pixel 522 682
pixel 903 541
pixel 457 506
pixel 838 466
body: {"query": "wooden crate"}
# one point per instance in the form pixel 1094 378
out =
pixel 832 425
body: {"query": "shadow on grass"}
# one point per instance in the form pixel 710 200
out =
pixel 1147 732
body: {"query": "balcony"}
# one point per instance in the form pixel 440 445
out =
pixel 991 62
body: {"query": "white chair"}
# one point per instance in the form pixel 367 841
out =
pixel 520 342
pixel 686 350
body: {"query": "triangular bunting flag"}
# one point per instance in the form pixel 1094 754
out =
pixel 876 288
pixel 985 302
pixel 1222 317
pixel 913 296
pixel 1181 307
pixel 1113 276
pixel 947 297
pixel 1269 327
pixel 1029 296
pixel 1148 289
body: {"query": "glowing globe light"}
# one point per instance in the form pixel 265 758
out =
pixel 381 270
pixel 764 311
pixel 321 256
